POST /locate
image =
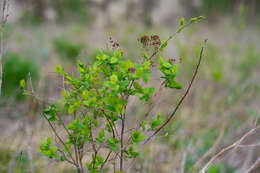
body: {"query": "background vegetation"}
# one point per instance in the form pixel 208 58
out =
pixel 222 106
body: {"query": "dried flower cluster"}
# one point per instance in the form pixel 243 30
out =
pixel 150 41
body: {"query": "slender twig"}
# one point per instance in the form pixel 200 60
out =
pixel 254 166
pixel 57 135
pixel 30 80
pixel 20 162
pixel 228 148
pixel 110 124
pixel 183 162
pixel 170 37
pixel 123 117
pixel 182 98
pixel 94 148
pixel 108 155
pixel 2 25
pixel 71 162
pixel 50 124
pixel 150 108
pixel 122 142
pixel 12 162
pixel 211 150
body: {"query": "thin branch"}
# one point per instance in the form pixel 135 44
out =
pixel 57 135
pixel 108 155
pixel 184 157
pixel 30 80
pixel 170 37
pixel 254 166
pixel 71 162
pixel 150 108
pixel 3 22
pixel 110 124
pixel 211 150
pixel 228 148
pixel 182 99
pixel 94 148
pixel 122 142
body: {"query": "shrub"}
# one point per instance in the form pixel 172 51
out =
pixel 94 105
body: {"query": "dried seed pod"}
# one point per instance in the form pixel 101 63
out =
pixel 145 40
pixel 132 70
pixel 155 41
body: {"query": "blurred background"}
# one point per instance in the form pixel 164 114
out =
pixel 223 104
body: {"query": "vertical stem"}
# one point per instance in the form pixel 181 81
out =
pixel 3 22
pixel 122 142
pixel 123 131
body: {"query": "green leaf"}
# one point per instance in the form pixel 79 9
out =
pixel 214 169
pixel 51 112
pixel 127 64
pixel 117 53
pixel 192 20
pixel 156 122
pixel 137 137
pixel 22 84
pixel 99 160
pixel 131 153
pixel 180 29
pixel 137 86
pixel 145 55
pixel 59 70
pixel 178 85
pixel 182 21
pixel 113 144
pixel 113 79
pixel 143 125
pixel 113 60
pixel 163 45
pixel 201 17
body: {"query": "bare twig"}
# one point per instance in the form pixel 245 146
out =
pixel 57 135
pixel 228 148
pixel 122 142
pixel 3 22
pixel 211 150
pixel 182 98
pixel 254 166
pixel 183 162
pixel 11 164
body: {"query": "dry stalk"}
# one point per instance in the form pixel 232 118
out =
pixel 4 18
pixel 228 148
pixel 254 166
pixel 211 150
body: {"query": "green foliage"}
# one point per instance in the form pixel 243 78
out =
pixel 5 158
pixel 67 50
pixel 94 102
pixel 156 122
pixel 249 62
pixel 102 90
pixel 137 137
pixel 72 9
pixel 29 17
pixel 49 151
pixel 16 69
pixel 211 6
pixel 214 169
pixel 169 71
